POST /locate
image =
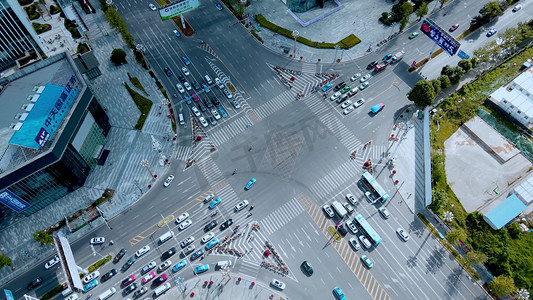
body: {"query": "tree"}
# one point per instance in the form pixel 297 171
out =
pixel 4 261
pixel 502 285
pixel 442 2
pixel 492 9
pixel 455 235
pixel 422 94
pixel 456 74
pixel 422 11
pixel 43 237
pixel 446 70
pixel 118 57
pixel 440 199
pixel 403 22
pixel 407 8
pixel 436 85
pixel 444 81
pixel 474 258
pixel 465 64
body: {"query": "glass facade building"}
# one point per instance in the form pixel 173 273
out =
pixel 300 6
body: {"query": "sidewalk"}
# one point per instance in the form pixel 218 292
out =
pixel 223 288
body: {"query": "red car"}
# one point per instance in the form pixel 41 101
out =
pixel 195 97
pixel 128 280
pixel 455 26
pixel 159 280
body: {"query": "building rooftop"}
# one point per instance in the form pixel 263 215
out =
pixel 505 212
pixel 518 92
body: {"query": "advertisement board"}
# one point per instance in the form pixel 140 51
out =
pixel 13 201
pixel 440 37
pixel 178 8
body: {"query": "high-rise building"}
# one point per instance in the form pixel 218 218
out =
pixel 17 36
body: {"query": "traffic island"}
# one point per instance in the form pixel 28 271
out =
pixel 187 30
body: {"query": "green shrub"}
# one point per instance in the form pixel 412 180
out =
pixel 258 37
pixel 54 9
pixel 72 28
pixel 49 295
pixel 25 2
pixel 32 12
pixel 40 28
pixel 136 83
pixel 444 81
pixel 142 103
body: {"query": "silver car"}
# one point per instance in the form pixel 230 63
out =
pixel 346 104
pixel 352 199
pixel 185 71
pixel 328 211
pixel 354 243
pixel 203 121
pixel 187 85
pixel 404 235
pixel 384 212
pixel 356 76
pixel 365 78
pixel 359 103
pixel 348 110
pixel 180 88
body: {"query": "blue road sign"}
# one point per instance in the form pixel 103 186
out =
pixel 463 55
pixel 9 295
pixel 440 37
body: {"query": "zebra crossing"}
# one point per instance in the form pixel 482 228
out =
pixel 249 267
pixel 210 171
pixel 281 216
pixel 183 152
pixel 275 104
pixel 330 120
pixel 308 68
pixel 338 177
pixel 228 130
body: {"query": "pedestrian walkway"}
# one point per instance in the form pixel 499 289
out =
pixel 281 216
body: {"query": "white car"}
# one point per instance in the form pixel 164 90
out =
pixel 517 8
pixel 359 103
pixel 365 78
pixel 352 199
pixel 335 96
pixel 215 114
pixel 186 242
pixel 228 93
pixel 185 224
pixel 356 76
pixel 351 226
pixel 142 251
pixel 370 198
pixel 164 266
pixel 187 86
pixel 52 262
pixel 196 111
pixel 241 205
pixel 209 198
pixel 348 207
pixel 72 297
pixel 152 7
pixel 219 83
pixel 348 110
pixel 182 218
pixel 91 277
pixel 363 85
pixel 97 240
pixel 355 244
pixel 346 104
pixel 278 284
pixel 328 211
pixel 404 235
pixel 203 121
pixel 365 241
pixel 185 71
pixel 384 212
pixel 180 88
pixel 168 181
pixel 236 104
pixel 206 238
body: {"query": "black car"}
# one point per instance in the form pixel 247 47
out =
pixel 340 86
pixel 210 226
pixel 197 254
pixel 119 255
pixel 140 292
pixel 35 283
pixel 181 78
pixel 130 288
pixel 201 106
pixel 342 230
pixel 196 85
pixel 215 101
pixel 168 253
pixel 158 281
pixel 168 71
pixel 307 268
pixel 372 65
pixel 226 224
pixel 208 103
pixel 128 264
pixel 108 275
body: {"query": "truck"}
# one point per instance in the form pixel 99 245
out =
pixel 398 56
pixel 339 209
pixel 381 66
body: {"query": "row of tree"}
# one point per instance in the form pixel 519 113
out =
pixel 402 10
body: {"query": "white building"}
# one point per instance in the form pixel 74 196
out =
pixel 516 98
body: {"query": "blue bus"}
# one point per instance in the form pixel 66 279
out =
pixel 367 230
pixel 374 186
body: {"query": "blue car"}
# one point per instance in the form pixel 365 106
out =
pixel 205 87
pixel 377 108
pixel 179 266
pixel 211 244
pixel 219 7
pixel 91 285
pixel 387 57
pixel 338 292
pixel 214 203
pixel 222 112
pixel 187 99
pixel 176 32
pixel 249 184
pixel 201 269
pixel 327 87
pixel 185 60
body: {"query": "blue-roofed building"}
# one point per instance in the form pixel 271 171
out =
pixel 505 212
pixel 52 134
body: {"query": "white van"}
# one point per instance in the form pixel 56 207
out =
pixel 165 237
pixel 66 292
pixel 180 117
pixel 107 294
pixel 208 79
pixel 223 264
pixel 162 289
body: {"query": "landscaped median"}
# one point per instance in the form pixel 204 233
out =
pixel 144 105
pixel 346 43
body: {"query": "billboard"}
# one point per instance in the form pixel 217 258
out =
pixel 440 37
pixel 13 201
pixel 178 8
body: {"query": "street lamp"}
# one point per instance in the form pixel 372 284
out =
pixel 109 2
pixel 295 35
pixel 146 164
pixel 243 2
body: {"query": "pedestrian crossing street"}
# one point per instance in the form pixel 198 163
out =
pixel 281 216
pixel 330 120
pixel 228 130
pixel 308 68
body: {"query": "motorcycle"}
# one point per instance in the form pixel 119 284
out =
pixel 214 214
pixel 251 207
pixel 249 215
